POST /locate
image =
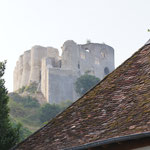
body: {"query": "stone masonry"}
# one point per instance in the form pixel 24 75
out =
pixel 56 75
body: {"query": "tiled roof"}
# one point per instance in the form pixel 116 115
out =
pixel 118 106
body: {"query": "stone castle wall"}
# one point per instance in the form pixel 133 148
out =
pixel 28 68
pixel 56 74
pixel 88 57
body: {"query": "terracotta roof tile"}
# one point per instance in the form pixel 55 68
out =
pixel 118 106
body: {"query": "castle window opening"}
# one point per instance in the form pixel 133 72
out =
pixel 60 63
pixel 103 54
pixel 87 50
pixel 106 70
pixel 40 76
pixel 78 66
pixel 97 61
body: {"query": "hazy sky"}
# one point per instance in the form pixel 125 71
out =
pixel 121 24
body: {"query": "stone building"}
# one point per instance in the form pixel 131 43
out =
pixel 56 75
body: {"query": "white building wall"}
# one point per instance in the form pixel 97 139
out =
pixel 61 85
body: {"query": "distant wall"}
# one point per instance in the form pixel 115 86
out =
pixel 46 63
pixel 61 85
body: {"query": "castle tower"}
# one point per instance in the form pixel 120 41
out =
pixel 70 53
pixel 37 53
pixel 26 68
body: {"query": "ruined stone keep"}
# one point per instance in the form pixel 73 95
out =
pixel 56 75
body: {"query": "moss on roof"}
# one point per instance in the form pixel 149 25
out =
pixel 119 105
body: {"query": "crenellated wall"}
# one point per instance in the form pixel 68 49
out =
pixel 56 75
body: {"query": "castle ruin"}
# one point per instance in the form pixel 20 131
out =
pixel 56 75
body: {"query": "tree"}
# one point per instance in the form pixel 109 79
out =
pixel 9 136
pixel 23 132
pixel 88 41
pixel 48 111
pixel 26 101
pixel 84 83
pixel 64 104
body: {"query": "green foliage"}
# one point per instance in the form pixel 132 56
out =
pixel 32 88
pixel 26 101
pixel 27 111
pixel 48 111
pixel 21 90
pixel 9 135
pixel 64 104
pixel 23 132
pixel 85 83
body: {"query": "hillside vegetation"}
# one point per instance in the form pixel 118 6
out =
pixel 26 110
pixel 31 115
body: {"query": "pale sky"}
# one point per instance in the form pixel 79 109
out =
pixel 121 24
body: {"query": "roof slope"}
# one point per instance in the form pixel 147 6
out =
pixel 119 105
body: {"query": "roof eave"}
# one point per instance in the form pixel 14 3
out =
pixel 111 141
pixel 148 42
